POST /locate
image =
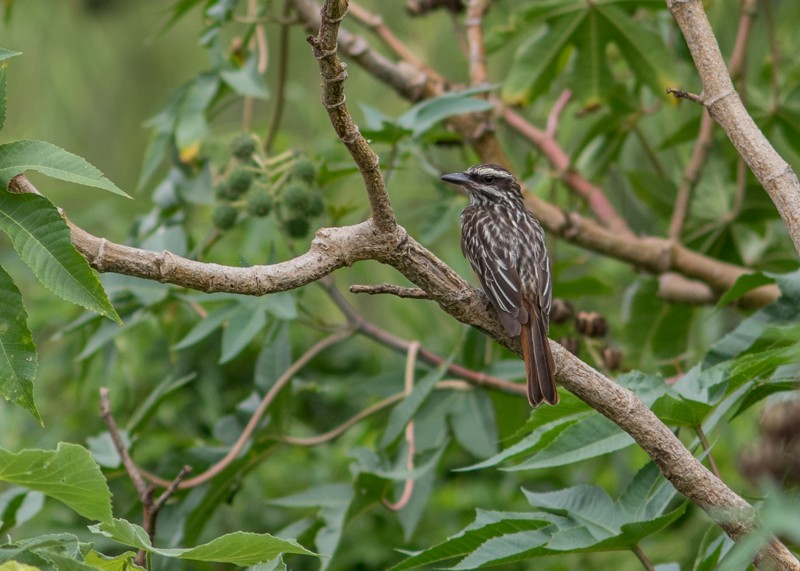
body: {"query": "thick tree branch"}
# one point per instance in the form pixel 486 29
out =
pixel 724 105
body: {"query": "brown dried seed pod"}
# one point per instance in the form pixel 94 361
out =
pixel 561 311
pixel 591 323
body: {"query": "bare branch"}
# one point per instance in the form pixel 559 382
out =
pixel 477 51
pixel 399 291
pixel 334 73
pixel 723 103
pixel 704 141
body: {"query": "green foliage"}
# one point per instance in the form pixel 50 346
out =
pixel 346 461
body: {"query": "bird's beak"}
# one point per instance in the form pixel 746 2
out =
pixel 458 178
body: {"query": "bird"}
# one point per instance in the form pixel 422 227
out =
pixel 505 245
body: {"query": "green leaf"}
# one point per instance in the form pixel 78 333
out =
pixel 592 80
pixel 41 238
pixel 274 358
pixel 487 525
pixel 190 122
pixel 206 326
pixel 282 305
pixel 545 425
pixel 473 422
pixel 122 562
pixel 403 412
pixel 3 78
pixel 425 115
pixel 6 54
pixel 744 284
pixel 239 548
pixel 589 437
pixel 642 48
pixel 244 324
pixel 18 363
pixel 535 62
pixel 247 81
pixel 68 474
pixel 155 398
pixel 48 159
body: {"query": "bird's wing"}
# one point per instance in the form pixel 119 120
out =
pixel 499 278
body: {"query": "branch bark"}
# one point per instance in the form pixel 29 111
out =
pixel 724 105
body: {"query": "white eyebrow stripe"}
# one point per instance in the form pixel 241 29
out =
pixel 484 171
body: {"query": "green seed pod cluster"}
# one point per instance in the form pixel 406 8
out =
pixel 297 227
pixel 224 216
pixel 240 179
pixel 259 203
pixel 304 170
pixel 243 146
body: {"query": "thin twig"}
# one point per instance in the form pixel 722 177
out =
pixel 399 291
pixel 555 113
pixel 707 448
pixel 280 85
pixel 686 95
pixel 150 508
pixel 130 467
pixel 408 487
pixel 252 424
pixel 704 141
pixel 383 337
pixel 643 558
pixel 477 50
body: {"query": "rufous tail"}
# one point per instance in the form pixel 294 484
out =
pixel 539 365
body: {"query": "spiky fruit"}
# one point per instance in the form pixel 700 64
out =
pixel 224 216
pixel 243 146
pixel 259 204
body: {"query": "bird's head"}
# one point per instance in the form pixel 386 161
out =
pixel 487 184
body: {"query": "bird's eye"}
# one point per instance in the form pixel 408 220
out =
pixel 488 179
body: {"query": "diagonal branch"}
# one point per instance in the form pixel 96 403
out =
pixel 704 141
pixel 725 107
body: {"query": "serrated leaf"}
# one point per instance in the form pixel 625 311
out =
pixel 41 238
pixel 48 159
pixel 18 364
pixel 68 474
pixel 239 548
pixel 589 437
pixel 542 428
pixel 487 525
